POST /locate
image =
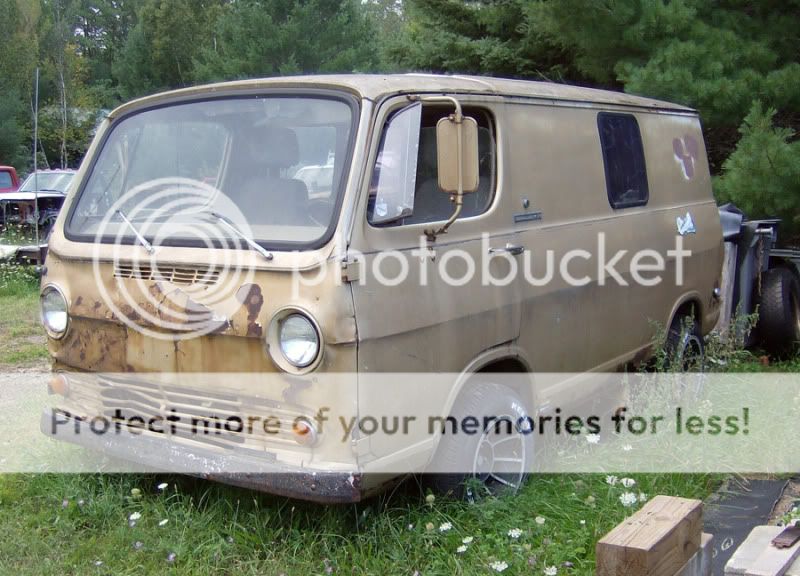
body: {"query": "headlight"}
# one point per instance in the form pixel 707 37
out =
pixel 55 317
pixel 298 340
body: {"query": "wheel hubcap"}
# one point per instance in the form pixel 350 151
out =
pixel 500 458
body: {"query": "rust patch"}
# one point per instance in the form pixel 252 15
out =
pixel 93 346
pixel 87 308
pixel 251 298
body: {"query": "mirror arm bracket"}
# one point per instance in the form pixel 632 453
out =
pixel 431 234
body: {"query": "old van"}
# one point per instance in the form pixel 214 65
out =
pixel 471 225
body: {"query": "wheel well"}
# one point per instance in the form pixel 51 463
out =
pixel 504 365
pixel 512 365
pixel 689 308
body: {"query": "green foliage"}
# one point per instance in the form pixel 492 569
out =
pixel 58 524
pixel 483 36
pixel 13 138
pixel 718 57
pixel 18 47
pixel 160 49
pixel 255 38
pixel 762 176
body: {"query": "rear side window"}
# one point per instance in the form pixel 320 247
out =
pixel 5 180
pixel 623 157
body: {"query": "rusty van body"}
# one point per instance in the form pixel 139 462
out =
pixel 543 166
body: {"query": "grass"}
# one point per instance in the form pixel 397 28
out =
pixel 22 339
pixel 79 524
pixel 65 524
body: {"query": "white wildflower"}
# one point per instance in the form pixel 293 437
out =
pixel 628 482
pixel 628 499
pixel 445 526
pixel 514 533
pixel 162 486
pixel 642 497
pixel 593 438
pixel 627 448
pixel 498 566
pixel 467 540
pixel 540 520
pixel 461 549
pixel 611 480
pixel 583 522
pixel 135 516
pixel 550 571
pixel 163 522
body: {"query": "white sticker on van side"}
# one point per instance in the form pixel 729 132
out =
pixel 686 152
pixel 686 225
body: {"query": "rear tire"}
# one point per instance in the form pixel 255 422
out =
pixel 466 462
pixel 779 311
pixel 685 348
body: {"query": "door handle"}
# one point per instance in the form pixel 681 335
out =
pixel 513 249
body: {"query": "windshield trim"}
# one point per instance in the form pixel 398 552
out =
pixel 278 246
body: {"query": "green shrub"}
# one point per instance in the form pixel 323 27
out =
pixel 762 176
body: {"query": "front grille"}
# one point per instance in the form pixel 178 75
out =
pixel 173 274
pixel 200 415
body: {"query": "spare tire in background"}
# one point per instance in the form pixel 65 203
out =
pixel 779 311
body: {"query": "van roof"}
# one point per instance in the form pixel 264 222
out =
pixel 377 86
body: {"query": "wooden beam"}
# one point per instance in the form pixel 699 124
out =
pixel 658 540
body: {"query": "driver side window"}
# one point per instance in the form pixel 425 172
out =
pixel 430 204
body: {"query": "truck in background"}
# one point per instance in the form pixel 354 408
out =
pixel 9 181
pixel 759 278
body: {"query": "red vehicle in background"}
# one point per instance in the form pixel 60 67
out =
pixel 9 181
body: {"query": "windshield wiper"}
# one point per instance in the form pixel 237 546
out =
pixel 249 241
pixel 139 237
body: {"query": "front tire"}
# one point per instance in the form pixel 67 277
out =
pixel 497 458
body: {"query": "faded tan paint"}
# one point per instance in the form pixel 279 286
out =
pixel 548 156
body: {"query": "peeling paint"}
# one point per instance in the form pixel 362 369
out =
pixel 250 296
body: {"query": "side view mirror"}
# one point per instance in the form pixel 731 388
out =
pixel 457 161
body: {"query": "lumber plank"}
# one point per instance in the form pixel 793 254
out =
pixel 658 540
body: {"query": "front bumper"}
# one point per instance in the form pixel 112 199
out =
pixel 162 454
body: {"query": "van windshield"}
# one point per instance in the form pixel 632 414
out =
pixel 272 165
